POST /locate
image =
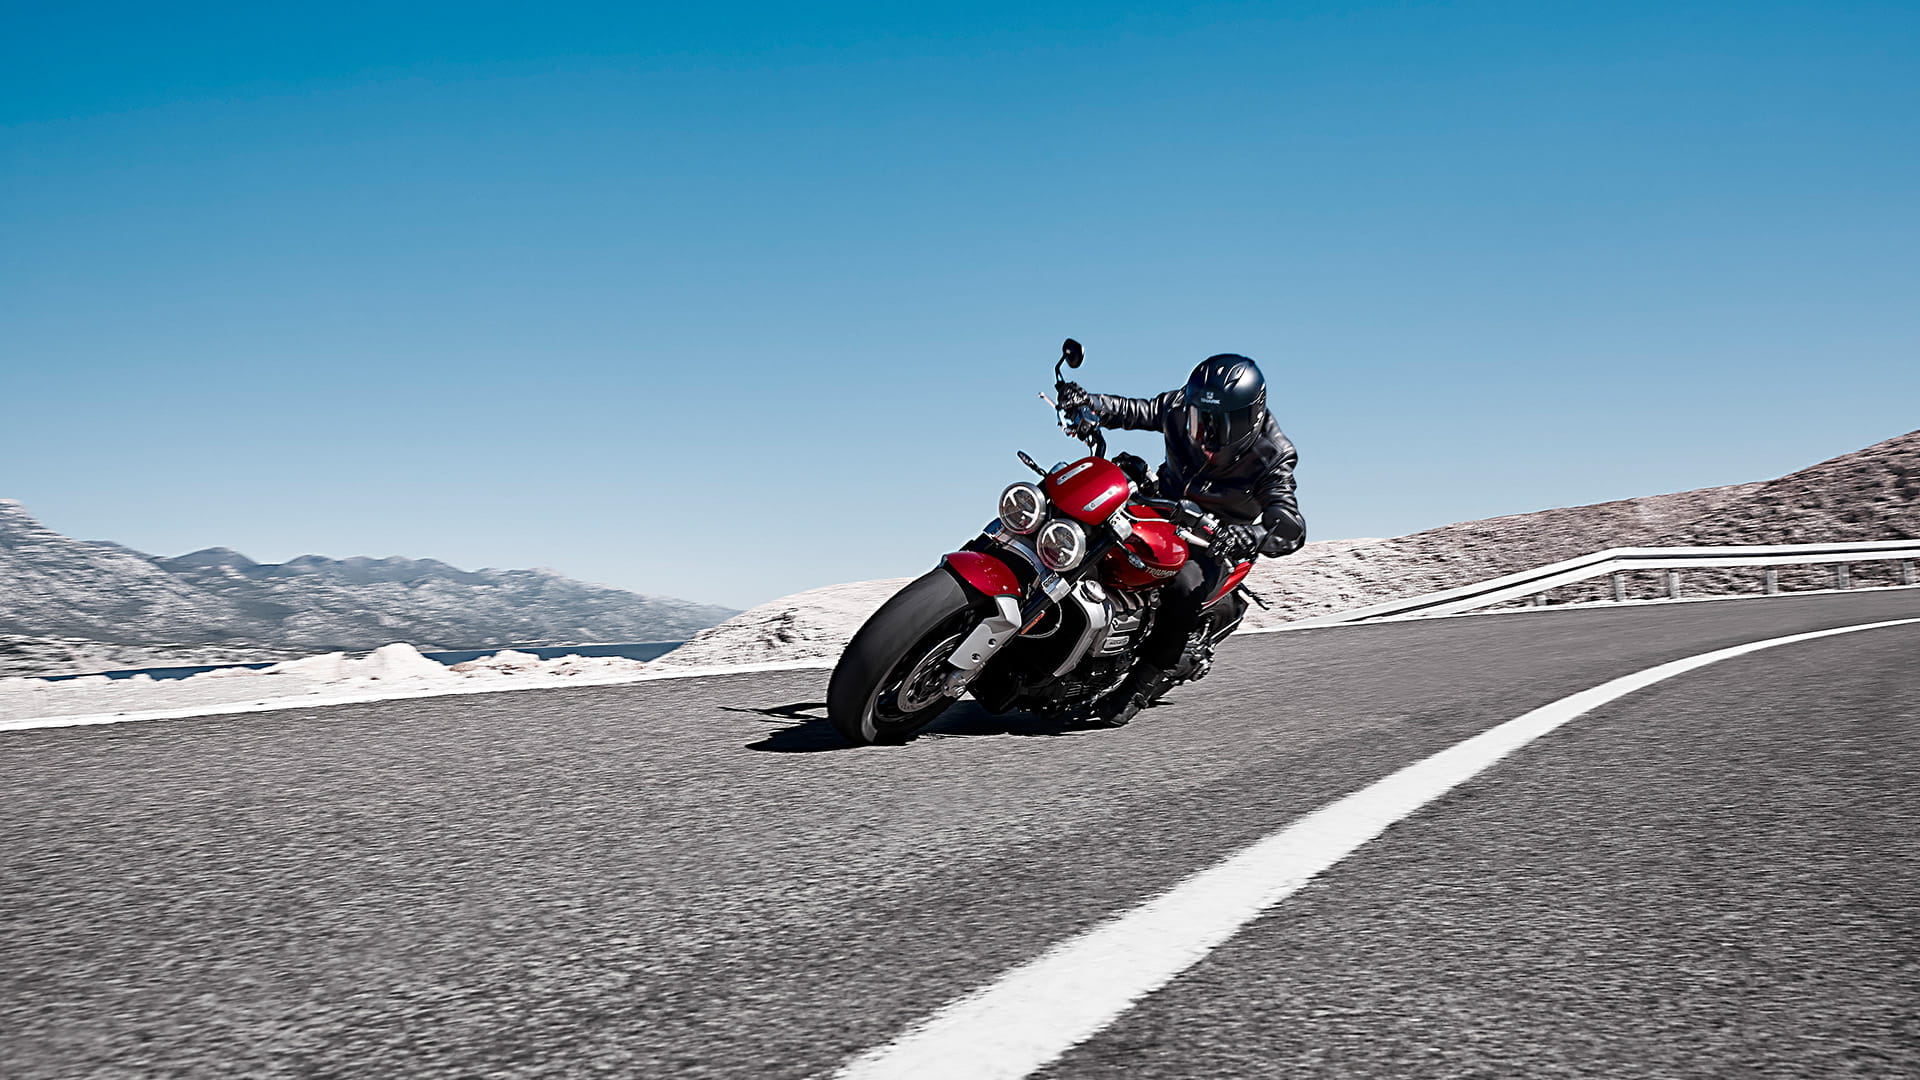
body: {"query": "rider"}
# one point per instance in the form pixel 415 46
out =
pixel 1226 453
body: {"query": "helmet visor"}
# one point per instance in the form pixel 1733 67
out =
pixel 1213 431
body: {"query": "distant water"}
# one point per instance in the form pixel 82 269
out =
pixel 637 650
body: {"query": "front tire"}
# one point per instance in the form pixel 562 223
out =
pixel 890 681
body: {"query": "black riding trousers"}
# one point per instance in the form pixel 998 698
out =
pixel 1180 602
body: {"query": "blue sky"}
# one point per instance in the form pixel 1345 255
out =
pixel 732 302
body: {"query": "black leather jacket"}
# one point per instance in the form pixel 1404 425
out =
pixel 1257 485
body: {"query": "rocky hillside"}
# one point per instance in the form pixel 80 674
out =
pixel 55 587
pixel 1873 494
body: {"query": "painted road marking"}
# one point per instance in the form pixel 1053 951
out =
pixel 1036 1012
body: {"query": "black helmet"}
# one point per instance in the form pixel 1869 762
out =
pixel 1226 402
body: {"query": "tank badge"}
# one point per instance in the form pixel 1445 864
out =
pixel 1110 493
pixel 1073 472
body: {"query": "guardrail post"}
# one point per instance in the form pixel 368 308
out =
pixel 1906 571
pixel 1620 586
pixel 1772 585
pixel 1842 576
pixel 1673 584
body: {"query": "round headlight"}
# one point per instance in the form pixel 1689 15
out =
pixel 1022 508
pixel 1062 545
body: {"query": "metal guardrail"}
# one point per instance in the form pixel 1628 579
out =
pixel 1618 561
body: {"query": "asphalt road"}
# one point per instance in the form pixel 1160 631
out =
pixel 1716 876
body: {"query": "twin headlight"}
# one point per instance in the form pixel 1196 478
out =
pixel 1022 508
pixel 1061 544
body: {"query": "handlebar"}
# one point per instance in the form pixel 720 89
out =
pixel 1187 518
pixel 1084 425
pixel 1192 538
pixel 1185 508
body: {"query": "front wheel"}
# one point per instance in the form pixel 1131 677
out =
pixel 892 679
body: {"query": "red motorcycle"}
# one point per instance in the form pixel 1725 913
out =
pixel 1045 611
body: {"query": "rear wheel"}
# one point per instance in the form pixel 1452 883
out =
pixel 892 679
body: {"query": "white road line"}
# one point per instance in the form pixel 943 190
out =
pixel 1036 1012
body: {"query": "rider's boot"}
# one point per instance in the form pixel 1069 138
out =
pixel 1144 683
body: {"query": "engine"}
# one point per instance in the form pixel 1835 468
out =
pixel 1083 648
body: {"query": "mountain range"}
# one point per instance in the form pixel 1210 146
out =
pixel 56 587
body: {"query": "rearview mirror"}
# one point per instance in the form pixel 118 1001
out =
pixel 1071 352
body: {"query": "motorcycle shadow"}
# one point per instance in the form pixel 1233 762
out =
pixel 812 733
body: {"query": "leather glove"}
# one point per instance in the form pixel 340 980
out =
pixel 1236 541
pixel 1072 396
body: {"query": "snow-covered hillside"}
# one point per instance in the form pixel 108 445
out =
pixel 395 670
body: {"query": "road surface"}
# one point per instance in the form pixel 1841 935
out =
pixel 1717 875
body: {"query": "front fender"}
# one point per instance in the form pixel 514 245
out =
pixel 983 573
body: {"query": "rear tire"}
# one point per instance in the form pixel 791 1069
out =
pixel 887 684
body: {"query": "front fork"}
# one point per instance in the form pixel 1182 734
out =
pixel 978 647
pixel 988 574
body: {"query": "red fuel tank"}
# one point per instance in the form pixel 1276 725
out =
pixel 1088 490
pixel 1157 545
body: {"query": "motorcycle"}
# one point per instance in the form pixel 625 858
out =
pixel 1045 611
